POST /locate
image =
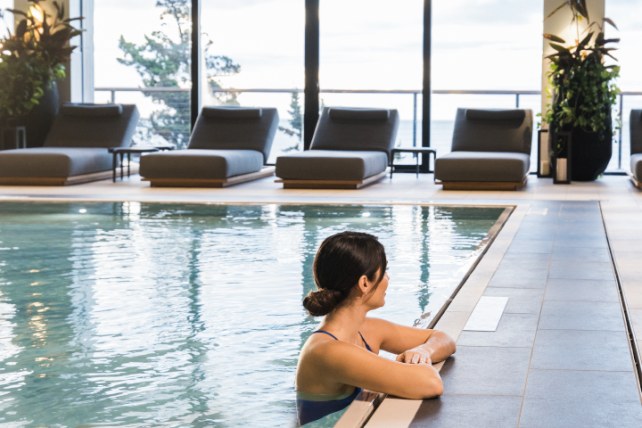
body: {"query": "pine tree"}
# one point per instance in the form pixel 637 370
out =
pixel 164 61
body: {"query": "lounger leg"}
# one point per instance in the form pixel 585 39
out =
pixel 417 167
pixel 114 166
pixel 122 159
pixel 129 163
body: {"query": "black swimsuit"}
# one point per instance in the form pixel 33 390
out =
pixel 311 407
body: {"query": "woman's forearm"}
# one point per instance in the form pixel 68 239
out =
pixel 440 346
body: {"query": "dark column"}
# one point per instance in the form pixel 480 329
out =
pixel 195 95
pixel 427 88
pixel 311 92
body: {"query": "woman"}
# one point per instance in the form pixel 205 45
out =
pixel 341 356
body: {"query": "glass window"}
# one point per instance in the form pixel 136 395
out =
pixel 628 55
pixel 146 44
pixel 482 45
pixel 373 46
pixel 257 48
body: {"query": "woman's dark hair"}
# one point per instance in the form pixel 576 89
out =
pixel 340 261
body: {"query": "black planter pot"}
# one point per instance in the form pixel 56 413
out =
pixel 590 154
pixel 39 120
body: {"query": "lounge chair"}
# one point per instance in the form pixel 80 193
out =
pixel 490 151
pixel 229 145
pixel 76 148
pixel 636 147
pixel 350 149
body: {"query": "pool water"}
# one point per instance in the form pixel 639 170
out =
pixel 132 314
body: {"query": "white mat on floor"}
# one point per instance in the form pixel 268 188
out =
pixel 487 314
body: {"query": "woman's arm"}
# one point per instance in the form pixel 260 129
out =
pixel 412 344
pixel 349 364
pixel 438 347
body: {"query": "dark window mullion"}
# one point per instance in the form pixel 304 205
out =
pixel 311 91
pixel 195 93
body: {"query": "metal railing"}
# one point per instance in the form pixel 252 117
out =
pixel 414 92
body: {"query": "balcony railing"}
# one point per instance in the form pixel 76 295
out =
pixel 413 92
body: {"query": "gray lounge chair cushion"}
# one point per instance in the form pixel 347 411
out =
pixel 54 162
pixel 91 109
pixel 221 132
pixel 232 113
pixel 98 126
pixel 493 131
pixel 636 166
pixel 482 166
pixel 204 164
pixel 359 113
pixel 369 130
pixel 635 125
pixel 331 165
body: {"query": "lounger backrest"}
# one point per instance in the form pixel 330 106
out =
pixel 93 125
pixel 356 129
pixel 235 128
pixel 636 131
pixel 493 130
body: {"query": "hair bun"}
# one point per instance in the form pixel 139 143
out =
pixel 322 302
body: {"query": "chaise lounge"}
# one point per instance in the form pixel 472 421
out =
pixel 229 145
pixel 636 147
pixel 490 151
pixel 350 149
pixel 76 148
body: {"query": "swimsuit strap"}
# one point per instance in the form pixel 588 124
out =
pixel 364 341
pixel 335 338
pixel 329 334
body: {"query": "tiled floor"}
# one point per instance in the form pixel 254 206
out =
pixel 560 356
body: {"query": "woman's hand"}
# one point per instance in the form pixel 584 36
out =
pixel 417 355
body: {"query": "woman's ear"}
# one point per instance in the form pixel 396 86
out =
pixel 364 286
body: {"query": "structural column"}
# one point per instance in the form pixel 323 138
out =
pixel 560 25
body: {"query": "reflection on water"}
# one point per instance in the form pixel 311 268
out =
pixel 189 315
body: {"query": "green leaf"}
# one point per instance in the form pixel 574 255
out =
pixel 611 22
pixel 559 48
pixel 585 40
pixel 17 12
pixel 21 29
pixel 553 38
pixel 556 10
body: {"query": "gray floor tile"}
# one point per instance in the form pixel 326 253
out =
pixel 486 371
pixel 581 254
pixel 581 290
pixel 514 330
pixel 566 234
pixel 564 398
pixel 581 270
pixel 513 276
pixel 582 242
pixel 581 350
pixel 520 300
pixel 529 246
pixel 479 411
pixel 566 315
pixel 528 260
pixel 536 234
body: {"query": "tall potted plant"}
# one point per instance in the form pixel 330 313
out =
pixel 30 62
pixel 583 93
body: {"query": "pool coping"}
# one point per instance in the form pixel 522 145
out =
pixel 375 412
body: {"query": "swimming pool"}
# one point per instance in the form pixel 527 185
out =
pixel 133 314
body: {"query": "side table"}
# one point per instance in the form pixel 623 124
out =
pixel 416 150
pixel 122 151
pixel 17 131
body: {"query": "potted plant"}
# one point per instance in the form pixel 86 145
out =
pixel 31 60
pixel 583 94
